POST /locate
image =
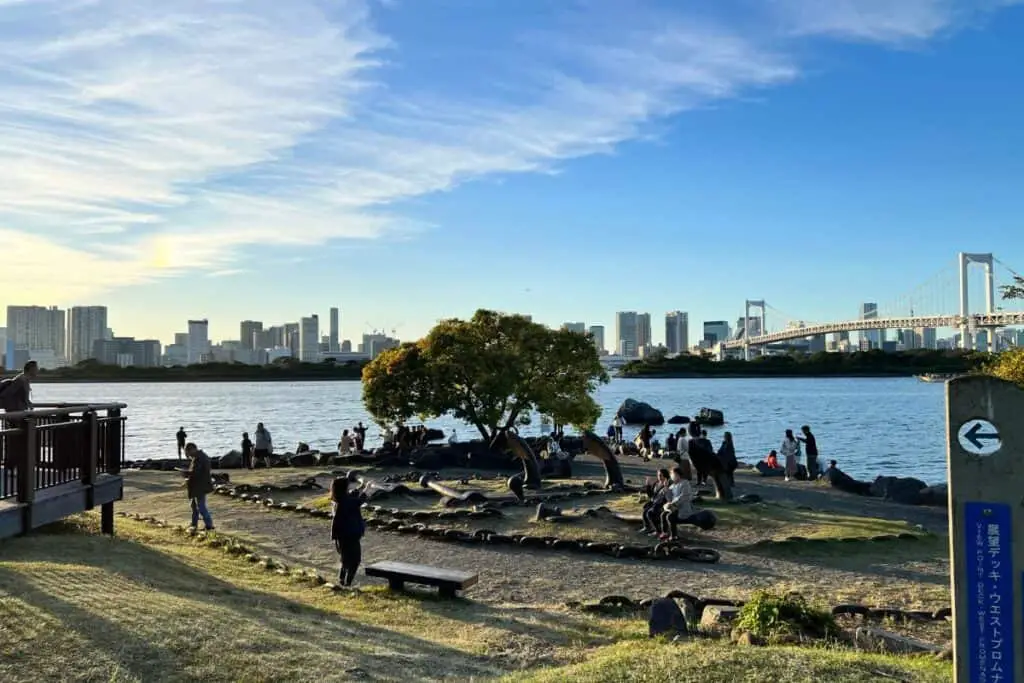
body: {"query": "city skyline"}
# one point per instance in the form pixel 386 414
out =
pixel 762 145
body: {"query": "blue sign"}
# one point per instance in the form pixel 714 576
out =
pixel 990 606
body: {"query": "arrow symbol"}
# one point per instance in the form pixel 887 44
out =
pixel 976 438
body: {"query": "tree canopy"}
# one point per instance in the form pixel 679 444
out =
pixel 1009 365
pixel 492 371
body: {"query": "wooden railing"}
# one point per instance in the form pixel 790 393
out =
pixel 56 444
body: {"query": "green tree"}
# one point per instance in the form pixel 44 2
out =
pixel 491 371
pixel 1009 365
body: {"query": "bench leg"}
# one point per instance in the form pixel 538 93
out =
pixel 447 591
pixel 396 584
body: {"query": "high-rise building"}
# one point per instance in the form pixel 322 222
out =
pixel 929 337
pixel 716 331
pixel 752 325
pixel 86 325
pixel 578 328
pixel 291 338
pixel 677 332
pixel 335 331
pixel 38 329
pixel 869 311
pixel 198 340
pixel 626 333
pixel 249 332
pixel 309 339
pixel 644 340
pixel 127 352
pixel 597 332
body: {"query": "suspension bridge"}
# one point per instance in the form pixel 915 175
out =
pixel 950 299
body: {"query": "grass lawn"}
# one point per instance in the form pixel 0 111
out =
pixel 152 605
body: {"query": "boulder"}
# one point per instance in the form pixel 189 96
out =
pixel 710 417
pixel 844 482
pixel 633 412
pixel 716 616
pixel 765 471
pixel 875 639
pixel 678 420
pixel 230 460
pixel 666 618
pixel 935 495
pixel 906 490
pixel 304 459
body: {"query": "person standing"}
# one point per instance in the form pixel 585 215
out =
pixel 246 451
pixel 811 449
pixel 263 446
pixel 182 438
pixel 360 432
pixel 790 450
pixel 345 443
pixel 199 483
pixel 727 455
pixel 347 530
pixel 617 425
pixel 16 397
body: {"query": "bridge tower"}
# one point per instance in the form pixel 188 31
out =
pixel 746 324
pixel 966 329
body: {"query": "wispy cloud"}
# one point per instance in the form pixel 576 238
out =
pixel 169 136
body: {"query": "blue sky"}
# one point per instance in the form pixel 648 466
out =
pixel 412 160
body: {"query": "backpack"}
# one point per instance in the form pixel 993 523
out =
pixel 4 396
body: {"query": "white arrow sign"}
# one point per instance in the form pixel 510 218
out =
pixel 979 437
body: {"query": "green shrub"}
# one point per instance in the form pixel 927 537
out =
pixel 775 617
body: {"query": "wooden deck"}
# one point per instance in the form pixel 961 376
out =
pixel 59 461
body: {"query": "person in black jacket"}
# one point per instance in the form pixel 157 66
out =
pixel 811 450
pixel 347 529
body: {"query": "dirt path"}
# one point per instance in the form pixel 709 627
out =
pixel 545 577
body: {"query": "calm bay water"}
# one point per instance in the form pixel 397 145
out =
pixel 871 426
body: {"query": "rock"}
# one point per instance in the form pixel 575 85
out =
pixel 905 490
pixel 718 615
pixel 710 417
pixel 765 471
pixel 946 654
pixel 304 459
pixel 844 482
pixel 746 638
pixel 666 618
pixel 633 412
pixel 678 420
pixel 876 639
pixel 937 495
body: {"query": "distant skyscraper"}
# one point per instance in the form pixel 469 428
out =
pixel 335 330
pixel 290 338
pixel 86 325
pixel 597 332
pixel 249 332
pixel 626 333
pixel 752 326
pixel 38 328
pixel 929 337
pixel 677 332
pixel 309 339
pixel 869 311
pixel 198 340
pixel 579 328
pixel 716 331
pixel 644 340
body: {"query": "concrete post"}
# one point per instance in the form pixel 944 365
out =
pixel 985 438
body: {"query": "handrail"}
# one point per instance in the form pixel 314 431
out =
pixel 54 412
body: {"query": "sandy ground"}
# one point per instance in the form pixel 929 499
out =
pixel 904 576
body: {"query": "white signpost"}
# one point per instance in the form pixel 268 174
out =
pixel 985 435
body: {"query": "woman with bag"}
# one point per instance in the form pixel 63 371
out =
pixel 347 529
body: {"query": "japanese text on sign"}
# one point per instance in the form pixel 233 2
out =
pixel 990 591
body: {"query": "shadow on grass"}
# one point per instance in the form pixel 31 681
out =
pixel 155 617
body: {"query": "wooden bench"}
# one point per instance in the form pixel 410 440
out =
pixel 448 581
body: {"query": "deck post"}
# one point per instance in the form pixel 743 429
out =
pixel 107 519
pixel 90 455
pixel 27 471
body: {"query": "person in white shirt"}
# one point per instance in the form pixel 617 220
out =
pixel 679 502
pixel 453 439
pixel 790 450
pixel 345 444
pixel 617 424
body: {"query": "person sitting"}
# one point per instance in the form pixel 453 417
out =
pixel 671 442
pixel 679 502
pixel 652 509
pixel 772 460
